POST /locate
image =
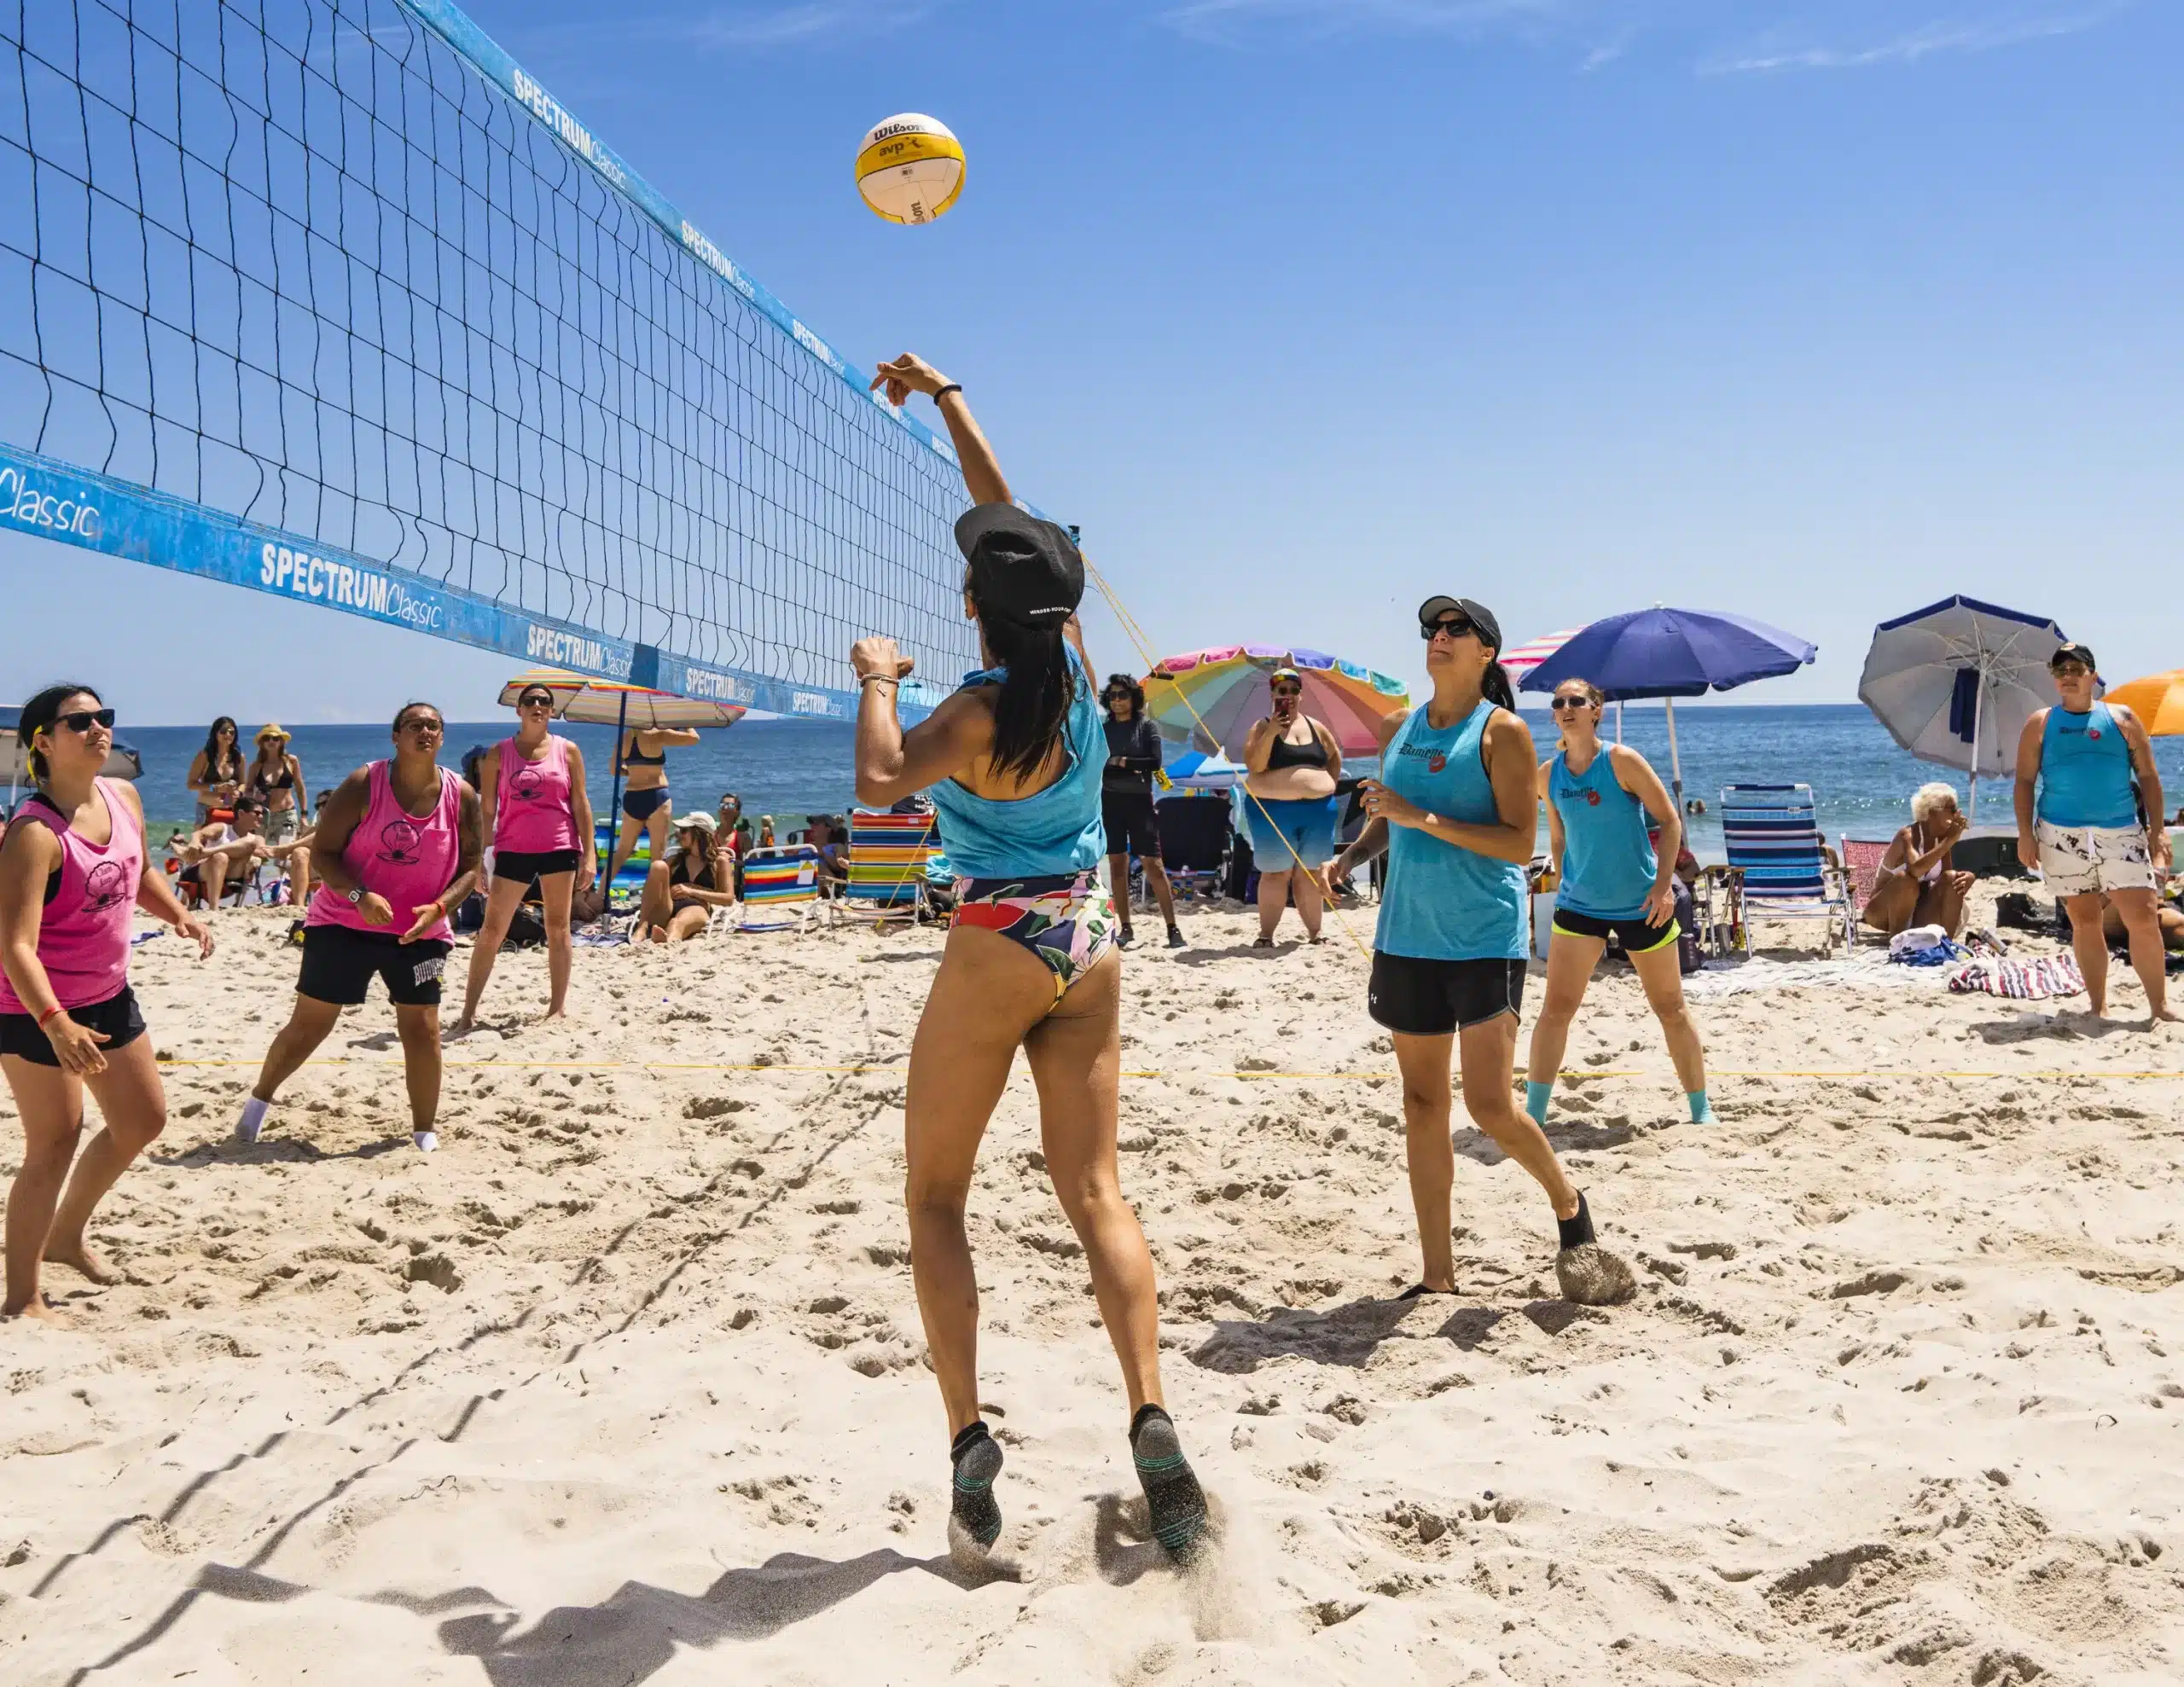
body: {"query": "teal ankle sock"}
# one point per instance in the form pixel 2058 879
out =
pixel 1702 1110
pixel 1536 1097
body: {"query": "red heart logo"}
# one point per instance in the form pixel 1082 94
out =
pixel 1436 761
pixel 1593 797
pixel 2095 732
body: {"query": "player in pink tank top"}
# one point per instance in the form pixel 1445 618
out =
pixel 73 871
pixel 532 786
pixel 398 846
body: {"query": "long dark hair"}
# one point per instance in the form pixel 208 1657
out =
pixel 38 716
pixel 213 761
pixel 1040 684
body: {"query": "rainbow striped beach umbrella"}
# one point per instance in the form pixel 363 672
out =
pixel 1226 689
pixel 1529 655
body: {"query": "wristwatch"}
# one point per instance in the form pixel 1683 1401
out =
pixel 355 896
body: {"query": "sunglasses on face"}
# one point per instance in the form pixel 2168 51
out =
pixel 82 719
pixel 534 702
pixel 430 727
pixel 1562 703
pixel 1456 626
pixel 2065 671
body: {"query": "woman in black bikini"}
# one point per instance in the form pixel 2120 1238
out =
pixel 644 791
pixel 216 773
pixel 276 779
pixel 681 891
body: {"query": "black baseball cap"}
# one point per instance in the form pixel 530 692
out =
pixel 2070 650
pixel 1024 571
pixel 1470 608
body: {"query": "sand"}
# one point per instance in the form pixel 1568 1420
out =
pixel 624 1385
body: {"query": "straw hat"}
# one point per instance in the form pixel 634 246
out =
pixel 273 729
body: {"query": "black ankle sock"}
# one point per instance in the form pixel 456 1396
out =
pixel 1577 1231
pixel 976 1458
pixel 1172 1496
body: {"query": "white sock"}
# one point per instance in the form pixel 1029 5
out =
pixel 253 1120
pixel 426 1141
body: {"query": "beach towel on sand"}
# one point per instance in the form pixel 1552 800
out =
pixel 2021 980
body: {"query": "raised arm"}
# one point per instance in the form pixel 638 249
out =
pixel 891 763
pixel 982 475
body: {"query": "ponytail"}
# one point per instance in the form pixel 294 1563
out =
pixel 1036 693
pixel 1495 683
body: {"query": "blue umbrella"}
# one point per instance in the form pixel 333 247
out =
pixel 1671 653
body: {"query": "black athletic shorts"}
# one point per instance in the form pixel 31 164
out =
pixel 525 865
pixel 1636 936
pixel 1437 998
pixel 1133 826
pixel 339 964
pixel 118 1016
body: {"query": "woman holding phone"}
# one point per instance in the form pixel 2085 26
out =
pixel 1291 762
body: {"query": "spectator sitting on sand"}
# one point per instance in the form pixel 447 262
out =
pixel 682 892
pixel 219 853
pixel 1917 885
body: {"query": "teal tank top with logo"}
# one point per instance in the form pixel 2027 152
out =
pixel 1443 902
pixel 1608 863
pixel 2085 770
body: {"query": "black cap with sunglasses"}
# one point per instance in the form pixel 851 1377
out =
pixel 1459 615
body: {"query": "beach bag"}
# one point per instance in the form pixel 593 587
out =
pixel 527 929
pixel 2014 911
pixel 1690 953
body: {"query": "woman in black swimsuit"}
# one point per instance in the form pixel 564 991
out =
pixel 643 756
pixel 682 890
pixel 276 779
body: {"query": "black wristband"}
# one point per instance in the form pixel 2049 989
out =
pixel 941 392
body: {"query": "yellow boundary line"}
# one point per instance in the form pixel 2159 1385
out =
pixel 656 1066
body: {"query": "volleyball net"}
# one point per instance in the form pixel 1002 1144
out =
pixel 330 298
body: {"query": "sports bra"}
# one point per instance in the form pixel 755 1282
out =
pixel 1287 755
pixel 636 756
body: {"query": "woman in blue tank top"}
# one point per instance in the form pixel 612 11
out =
pixel 1615 882
pixel 2090 820
pixel 1456 811
pixel 1013 761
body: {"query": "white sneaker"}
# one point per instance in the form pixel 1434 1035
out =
pixel 426 1141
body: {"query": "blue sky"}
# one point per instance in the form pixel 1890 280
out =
pixel 1306 308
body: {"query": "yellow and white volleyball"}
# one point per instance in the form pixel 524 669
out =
pixel 910 168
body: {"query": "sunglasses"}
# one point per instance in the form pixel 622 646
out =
pixel 2061 670
pixel 82 719
pixel 542 701
pixel 1288 691
pixel 422 726
pixel 1562 703
pixel 1456 626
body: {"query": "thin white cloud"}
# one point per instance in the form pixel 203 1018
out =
pixel 1926 41
pixel 803 22
pixel 1232 20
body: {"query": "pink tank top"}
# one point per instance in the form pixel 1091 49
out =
pixel 392 853
pixel 82 935
pixel 535 814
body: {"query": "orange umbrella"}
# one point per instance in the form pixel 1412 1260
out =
pixel 2158 700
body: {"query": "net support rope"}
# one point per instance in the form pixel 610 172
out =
pixel 333 300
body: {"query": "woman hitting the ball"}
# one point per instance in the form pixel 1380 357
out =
pixel 1458 814
pixel 1013 763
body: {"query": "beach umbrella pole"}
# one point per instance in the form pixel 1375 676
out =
pixel 1675 761
pixel 614 801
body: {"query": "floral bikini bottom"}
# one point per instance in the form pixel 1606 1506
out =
pixel 1066 919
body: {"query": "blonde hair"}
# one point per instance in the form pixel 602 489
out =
pixel 1928 797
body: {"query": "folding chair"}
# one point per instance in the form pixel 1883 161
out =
pixel 1861 860
pixel 888 853
pixel 1196 839
pixel 1775 866
pixel 781 881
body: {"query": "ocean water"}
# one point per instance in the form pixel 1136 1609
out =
pixel 791 768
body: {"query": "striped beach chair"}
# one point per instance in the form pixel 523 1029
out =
pixel 1776 870
pixel 888 853
pixel 780 888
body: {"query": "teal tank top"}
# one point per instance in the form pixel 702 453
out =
pixel 1443 903
pixel 1049 833
pixel 1608 863
pixel 2085 770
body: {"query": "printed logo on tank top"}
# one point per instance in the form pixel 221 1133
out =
pixel 103 886
pixel 527 786
pixel 1436 761
pixel 399 840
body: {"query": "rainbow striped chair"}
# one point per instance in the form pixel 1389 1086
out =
pixel 888 856
pixel 781 886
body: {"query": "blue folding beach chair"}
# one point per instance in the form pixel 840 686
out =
pixel 1776 868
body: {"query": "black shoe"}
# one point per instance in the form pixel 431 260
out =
pixel 1125 937
pixel 1175 937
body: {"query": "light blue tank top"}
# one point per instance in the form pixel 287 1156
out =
pixel 1050 832
pixel 1608 863
pixel 2085 770
pixel 1443 903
